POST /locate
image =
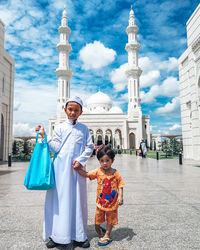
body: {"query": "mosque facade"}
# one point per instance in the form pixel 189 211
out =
pixel 7 67
pixel 107 124
pixel 189 79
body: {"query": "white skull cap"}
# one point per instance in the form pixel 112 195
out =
pixel 75 99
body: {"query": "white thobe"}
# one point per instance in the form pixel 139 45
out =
pixel 65 215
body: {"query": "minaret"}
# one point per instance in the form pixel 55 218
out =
pixel 133 72
pixel 63 71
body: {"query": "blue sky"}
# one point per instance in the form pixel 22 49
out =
pixel 31 37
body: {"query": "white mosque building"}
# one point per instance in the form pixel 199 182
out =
pixel 7 68
pixel 189 75
pixel 107 124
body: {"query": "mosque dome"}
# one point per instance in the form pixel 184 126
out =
pixel 97 100
pixel 115 110
pixel 98 110
pixel 85 110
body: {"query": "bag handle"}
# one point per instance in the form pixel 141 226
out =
pixel 45 137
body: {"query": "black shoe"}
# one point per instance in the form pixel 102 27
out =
pixel 51 244
pixel 84 244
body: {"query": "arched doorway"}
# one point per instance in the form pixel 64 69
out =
pixel 99 136
pixel 2 138
pixel 108 137
pixel 132 140
pixel 117 138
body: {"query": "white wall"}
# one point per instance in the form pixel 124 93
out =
pixel 189 75
pixel 6 95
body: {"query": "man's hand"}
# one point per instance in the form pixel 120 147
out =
pixel 76 165
pixel 40 129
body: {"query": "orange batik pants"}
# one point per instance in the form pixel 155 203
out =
pixel 111 217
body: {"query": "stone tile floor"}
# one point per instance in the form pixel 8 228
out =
pixel 161 207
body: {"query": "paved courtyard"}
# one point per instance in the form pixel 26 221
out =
pixel 161 207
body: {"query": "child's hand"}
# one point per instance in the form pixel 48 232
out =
pixel 76 165
pixel 40 129
pixel 120 200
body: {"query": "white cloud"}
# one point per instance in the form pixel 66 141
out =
pixel 23 129
pixel 118 77
pixel 96 55
pixel 169 88
pixel 36 34
pixel 8 16
pixel 17 105
pixel 171 108
pixel 145 64
pixel 176 126
pixel 30 55
pixel 169 65
pixel 23 23
pixel 36 102
pixel 149 78
pixel 124 97
pixel 13 40
pixel 146 97
pixel 36 13
pixel 42 56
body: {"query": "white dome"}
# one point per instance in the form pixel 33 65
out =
pixel 99 110
pixel 99 98
pixel 115 110
pixel 85 110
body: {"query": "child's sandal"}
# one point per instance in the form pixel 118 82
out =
pixel 104 241
pixel 102 233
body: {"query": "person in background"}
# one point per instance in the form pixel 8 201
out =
pixel 143 148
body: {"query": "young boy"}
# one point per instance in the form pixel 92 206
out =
pixel 65 215
pixel 109 193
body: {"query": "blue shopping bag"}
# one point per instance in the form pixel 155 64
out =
pixel 40 173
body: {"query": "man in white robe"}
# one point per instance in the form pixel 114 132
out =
pixel 65 217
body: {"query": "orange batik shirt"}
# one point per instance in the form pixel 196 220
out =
pixel 107 188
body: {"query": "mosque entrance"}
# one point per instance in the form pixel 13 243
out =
pixel 2 138
pixel 117 139
pixel 108 137
pixel 132 140
pixel 99 137
pixel 99 140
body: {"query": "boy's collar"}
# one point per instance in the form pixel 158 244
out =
pixel 71 121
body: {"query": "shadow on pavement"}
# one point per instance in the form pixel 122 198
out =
pixel 122 233
pixel 117 234
pixel 3 172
